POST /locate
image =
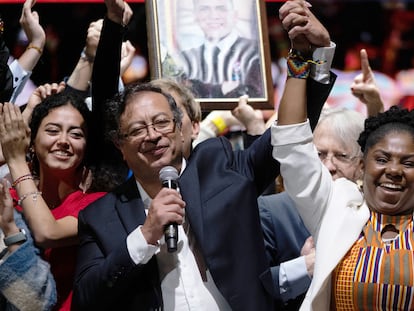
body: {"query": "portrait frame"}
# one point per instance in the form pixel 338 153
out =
pixel 172 30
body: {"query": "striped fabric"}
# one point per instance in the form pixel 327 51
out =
pixel 377 275
pixel 238 60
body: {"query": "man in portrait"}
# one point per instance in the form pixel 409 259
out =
pixel 225 64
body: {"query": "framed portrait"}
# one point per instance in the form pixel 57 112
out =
pixel 218 48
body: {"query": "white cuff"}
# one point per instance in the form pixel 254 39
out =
pixel 320 72
pixel 138 248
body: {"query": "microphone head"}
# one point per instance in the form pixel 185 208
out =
pixel 168 173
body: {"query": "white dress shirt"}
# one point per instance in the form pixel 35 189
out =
pixel 181 283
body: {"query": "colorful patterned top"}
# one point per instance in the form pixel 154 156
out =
pixel 377 274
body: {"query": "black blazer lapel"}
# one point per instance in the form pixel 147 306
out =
pixel 129 205
pixel 190 191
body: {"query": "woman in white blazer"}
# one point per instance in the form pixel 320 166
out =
pixel 363 236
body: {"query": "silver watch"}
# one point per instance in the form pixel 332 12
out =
pixel 15 238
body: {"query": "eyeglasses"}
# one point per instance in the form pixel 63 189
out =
pixel 336 158
pixel 163 126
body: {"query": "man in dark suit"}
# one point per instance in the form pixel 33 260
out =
pixel 220 190
pixel 123 262
pixel 287 243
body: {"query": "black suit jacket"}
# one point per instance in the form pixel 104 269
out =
pixel 284 234
pixel 220 188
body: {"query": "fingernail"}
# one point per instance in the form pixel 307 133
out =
pixel 308 4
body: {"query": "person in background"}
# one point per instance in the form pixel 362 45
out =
pixel 14 77
pixel 191 110
pixel 47 190
pixel 356 228
pixel 26 282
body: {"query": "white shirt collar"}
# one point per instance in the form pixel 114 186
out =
pixel 146 199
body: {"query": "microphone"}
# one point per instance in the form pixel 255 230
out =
pixel 169 179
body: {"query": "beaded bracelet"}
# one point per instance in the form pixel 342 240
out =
pixel 298 64
pixel 297 68
pixel 22 178
pixel 34 195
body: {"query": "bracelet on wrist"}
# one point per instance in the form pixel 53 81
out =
pixel 220 124
pixel 22 178
pixel 296 54
pixel 31 46
pixel 297 68
pixel 15 238
pixel 34 195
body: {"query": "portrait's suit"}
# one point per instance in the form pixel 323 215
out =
pixel 239 62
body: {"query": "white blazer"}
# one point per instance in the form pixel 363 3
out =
pixel 333 211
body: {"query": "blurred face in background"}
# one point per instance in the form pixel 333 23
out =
pixel 340 158
pixel 190 129
pixel 215 17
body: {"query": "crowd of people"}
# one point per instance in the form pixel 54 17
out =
pixel 314 212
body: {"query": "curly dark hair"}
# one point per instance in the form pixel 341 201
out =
pixel 55 101
pixel 395 119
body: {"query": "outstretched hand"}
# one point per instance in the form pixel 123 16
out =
pixel 365 87
pixel 30 23
pixel 14 133
pixel 92 38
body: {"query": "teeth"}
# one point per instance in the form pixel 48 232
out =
pixel 392 186
pixel 61 153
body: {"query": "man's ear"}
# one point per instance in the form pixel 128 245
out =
pixel 117 143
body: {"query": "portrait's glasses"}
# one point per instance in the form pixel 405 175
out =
pixel 162 126
pixel 336 158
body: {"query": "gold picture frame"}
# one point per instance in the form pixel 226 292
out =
pixel 178 49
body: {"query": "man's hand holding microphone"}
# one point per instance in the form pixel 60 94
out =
pixel 165 212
